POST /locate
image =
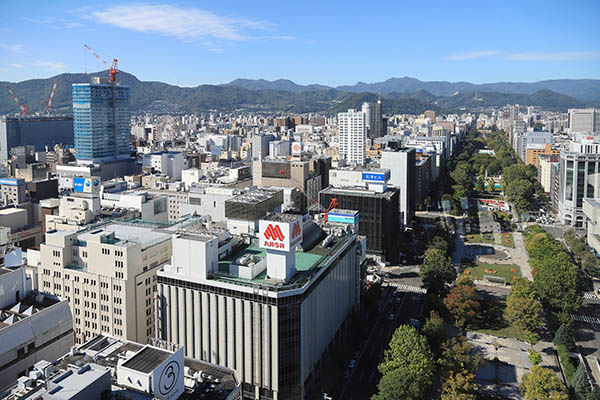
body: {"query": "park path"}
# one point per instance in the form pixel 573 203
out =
pixel 518 256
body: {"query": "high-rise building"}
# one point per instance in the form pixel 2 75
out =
pixel 367 109
pixel 579 178
pixel 376 120
pixel 101 122
pixel 352 127
pixel 401 163
pixel 265 310
pixel 107 274
pixel 430 114
pixel 584 120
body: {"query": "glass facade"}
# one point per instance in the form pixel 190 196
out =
pixel 101 122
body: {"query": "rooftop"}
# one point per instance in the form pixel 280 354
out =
pixel 255 196
pixel 33 303
pixel 201 379
pixel 282 217
pixel 387 194
pixel 308 263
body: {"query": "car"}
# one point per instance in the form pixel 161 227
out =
pixel 347 374
pixel 352 364
pixel 414 322
pixel 392 317
pixel 398 300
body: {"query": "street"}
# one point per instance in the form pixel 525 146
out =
pixel 407 303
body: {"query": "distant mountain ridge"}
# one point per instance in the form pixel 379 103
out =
pixel 581 89
pixel 280 96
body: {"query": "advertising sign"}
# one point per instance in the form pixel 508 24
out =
pixel 277 235
pixel 86 185
pixel 168 377
pixel 373 176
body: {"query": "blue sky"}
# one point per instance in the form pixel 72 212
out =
pixel 330 42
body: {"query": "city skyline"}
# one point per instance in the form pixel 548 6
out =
pixel 217 43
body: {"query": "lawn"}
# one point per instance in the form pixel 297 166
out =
pixel 503 239
pixel 478 269
pixel 490 320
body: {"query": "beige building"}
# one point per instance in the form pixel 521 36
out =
pixel 591 209
pixel 533 152
pixel 545 170
pixel 108 276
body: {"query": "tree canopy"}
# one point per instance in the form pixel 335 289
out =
pixel 543 384
pixel 437 270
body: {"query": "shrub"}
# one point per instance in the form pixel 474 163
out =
pixel 565 360
pixel 534 357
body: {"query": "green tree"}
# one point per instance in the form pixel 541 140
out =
pixel 396 385
pixel 580 382
pixel 409 352
pixel 543 384
pixel 589 263
pixel 459 386
pixel 434 330
pixel 557 283
pixel 437 270
pixel 594 394
pixel 564 336
pixel 534 357
pixel 480 183
pixel 524 309
pixel 459 355
pixel 462 304
pixel 438 242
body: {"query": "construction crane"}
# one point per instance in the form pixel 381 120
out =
pixel 332 204
pixel 24 107
pixel 112 69
pixel 49 101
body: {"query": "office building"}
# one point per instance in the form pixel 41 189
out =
pixel 106 367
pixel 584 120
pixel 535 150
pixel 208 201
pixel 352 128
pixel 380 219
pixel 33 326
pixel 101 122
pixel 107 273
pixel 423 180
pixel 267 311
pixel 430 114
pixel 37 131
pixel 12 191
pixel 579 178
pixel 591 210
pixel 245 210
pixel 529 138
pixel 401 163
pixel 260 145
pixel 545 175
pixel 168 163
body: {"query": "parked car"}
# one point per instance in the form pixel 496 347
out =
pixel 352 364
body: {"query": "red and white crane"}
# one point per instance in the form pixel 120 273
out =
pixel 24 107
pixel 49 101
pixel 112 69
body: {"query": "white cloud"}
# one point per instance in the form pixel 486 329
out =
pixel 17 65
pixel 558 56
pixel 472 55
pixel 15 48
pixel 188 24
pixel 56 66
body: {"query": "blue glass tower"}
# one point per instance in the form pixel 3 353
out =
pixel 101 122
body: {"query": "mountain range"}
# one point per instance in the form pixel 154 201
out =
pixel 399 95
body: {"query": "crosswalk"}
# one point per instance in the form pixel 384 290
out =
pixel 407 288
pixel 585 318
pixel 590 296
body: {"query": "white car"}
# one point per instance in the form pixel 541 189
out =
pixel 392 317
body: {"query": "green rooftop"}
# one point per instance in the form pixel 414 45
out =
pixel 306 264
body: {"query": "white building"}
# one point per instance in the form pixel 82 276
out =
pixel 169 163
pixel 401 163
pixel 208 200
pixel 33 326
pixel 579 178
pixel 352 127
pixel 584 120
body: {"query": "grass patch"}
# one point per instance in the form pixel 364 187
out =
pixel 478 269
pixel 480 238
pixel 490 320
pixel 503 239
